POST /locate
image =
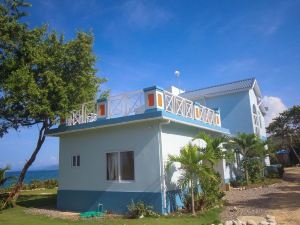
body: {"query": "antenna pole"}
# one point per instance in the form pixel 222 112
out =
pixel 177 74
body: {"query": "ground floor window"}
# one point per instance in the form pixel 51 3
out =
pixel 75 160
pixel 120 165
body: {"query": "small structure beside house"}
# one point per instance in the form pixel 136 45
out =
pixel 114 151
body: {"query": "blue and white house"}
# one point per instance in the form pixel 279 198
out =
pixel 115 150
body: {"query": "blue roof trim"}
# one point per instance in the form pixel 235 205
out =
pixel 196 122
pixel 101 100
pixel 153 88
pixel 104 122
pixel 132 118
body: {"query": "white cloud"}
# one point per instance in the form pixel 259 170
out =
pixel 275 106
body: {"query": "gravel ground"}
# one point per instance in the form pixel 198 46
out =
pixel 281 200
pixel 53 213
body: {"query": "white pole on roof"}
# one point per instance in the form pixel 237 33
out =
pixel 177 74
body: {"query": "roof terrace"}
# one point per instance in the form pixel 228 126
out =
pixel 149 103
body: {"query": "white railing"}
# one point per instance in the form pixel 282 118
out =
pixel 178 105
pixel 86 113
pixel 184 107
pixel 126 104
pixel 132 103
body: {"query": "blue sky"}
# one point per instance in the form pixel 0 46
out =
pixel 141 43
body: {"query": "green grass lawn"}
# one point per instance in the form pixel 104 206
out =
pixel 38 199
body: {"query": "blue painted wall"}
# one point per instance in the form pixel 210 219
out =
pixel 235 111
pixel 113 201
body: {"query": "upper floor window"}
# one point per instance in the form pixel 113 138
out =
pixel 75 160
pixel 120 165
pixel 256 120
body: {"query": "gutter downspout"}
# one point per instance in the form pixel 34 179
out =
pixel 162 168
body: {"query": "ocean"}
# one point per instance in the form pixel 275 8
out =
pixel 32 175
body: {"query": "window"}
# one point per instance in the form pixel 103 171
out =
pixel 256 120
pixel 120 165
pixel 76 160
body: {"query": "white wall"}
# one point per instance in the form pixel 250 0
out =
pixel 92 146
pixel 253 101
pixel 174 137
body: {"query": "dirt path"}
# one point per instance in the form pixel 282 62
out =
pixel 281 200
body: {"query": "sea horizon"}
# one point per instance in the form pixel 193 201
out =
pixel 34 174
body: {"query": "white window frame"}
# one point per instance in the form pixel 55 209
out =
pixel 256 120
pixel 119 167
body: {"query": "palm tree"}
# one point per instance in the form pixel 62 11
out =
pixel 191 158
pixel 248 146
pixel 3 178
pixel 216 148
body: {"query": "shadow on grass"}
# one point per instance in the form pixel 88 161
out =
pixel 38 201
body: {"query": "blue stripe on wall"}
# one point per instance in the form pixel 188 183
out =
pixel 174 201
pixel 81 201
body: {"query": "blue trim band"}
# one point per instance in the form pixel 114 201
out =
pixel 153 110
pixel 103 122
pixel 196 122
pixel 81 201
pixel 174 201
pixel 153 88
pixel 151 114
pixel 101 100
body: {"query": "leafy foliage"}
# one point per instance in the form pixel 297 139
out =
pixel 250 147
pixel 285 130
pixel 140 209
pixel 4 178
pixel 255 169
pixel 34 184
pixel 43 77
pixel 211 192
pixel 197 167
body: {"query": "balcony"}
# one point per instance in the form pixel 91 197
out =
pixel 140 102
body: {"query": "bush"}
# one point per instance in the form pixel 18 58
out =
pixel 255 169
pixel 34 184
pixel 206 197
pixel 238 182
pixel 212 194
pixel 274 171
pixel 139 209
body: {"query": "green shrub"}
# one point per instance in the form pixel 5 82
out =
pixel 238 182
pixel 139 209
pixel 275 171
pixel 212 194
pixel 34 184
pixel 255 169
pixel 206 197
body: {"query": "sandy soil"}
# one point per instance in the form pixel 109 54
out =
pixel 281 200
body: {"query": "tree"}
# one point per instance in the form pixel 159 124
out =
pixel 4 178
pixel 197 162
pixel 190 159
pixel 248 146
pixel 43 77
pixel 216 148
pixel 285 129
